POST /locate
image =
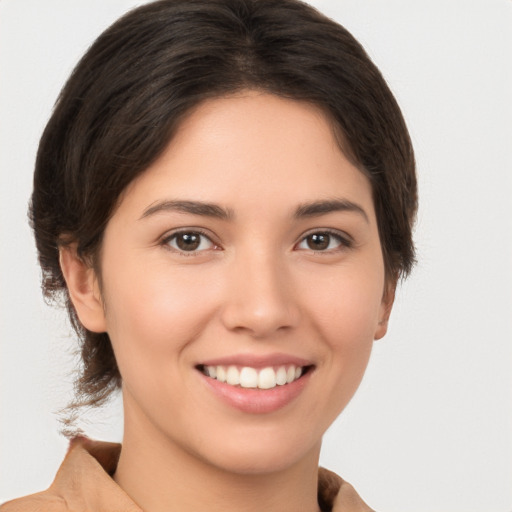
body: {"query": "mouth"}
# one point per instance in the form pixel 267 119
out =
pixel 257 384
pixel 248 377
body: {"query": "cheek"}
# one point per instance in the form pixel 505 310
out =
pixel 347 306
pixel 348 326
pixel 344 312
pixel 155 312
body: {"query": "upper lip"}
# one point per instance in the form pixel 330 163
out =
pixel 257 361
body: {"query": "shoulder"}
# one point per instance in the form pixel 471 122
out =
pixel 42 501
pixel 83 483
pixel 337 495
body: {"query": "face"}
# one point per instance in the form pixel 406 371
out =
pixel 247 252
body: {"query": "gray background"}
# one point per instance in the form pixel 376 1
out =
pixel 431 426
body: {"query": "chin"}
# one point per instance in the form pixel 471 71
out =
pixel 261 454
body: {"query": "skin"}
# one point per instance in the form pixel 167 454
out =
pixel 254 286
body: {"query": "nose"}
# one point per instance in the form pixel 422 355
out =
pixel 259 297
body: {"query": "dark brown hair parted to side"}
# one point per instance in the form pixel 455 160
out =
pixel 128 94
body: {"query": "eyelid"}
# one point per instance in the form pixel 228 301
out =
pixel 169 235
pixel 346 241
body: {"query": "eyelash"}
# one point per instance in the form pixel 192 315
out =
pixel 345 242
pixel 166 241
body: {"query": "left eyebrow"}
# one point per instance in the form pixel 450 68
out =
pixel 191 207
pixel 317 208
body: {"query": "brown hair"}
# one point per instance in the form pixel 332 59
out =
pixel 127 95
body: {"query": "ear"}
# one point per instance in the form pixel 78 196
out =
pixel 385 309
pixel 84 289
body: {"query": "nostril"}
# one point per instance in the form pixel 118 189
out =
pixel 259 301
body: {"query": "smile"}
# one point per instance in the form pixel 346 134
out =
pixel 249 377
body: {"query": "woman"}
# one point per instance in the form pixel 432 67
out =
pixel 224 196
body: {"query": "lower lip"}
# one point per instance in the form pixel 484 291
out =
pixel 254 400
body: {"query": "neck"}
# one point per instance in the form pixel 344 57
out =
pixel 161 476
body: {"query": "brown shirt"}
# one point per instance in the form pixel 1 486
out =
pixel 84 484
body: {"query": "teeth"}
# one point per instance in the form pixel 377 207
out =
pixel 221 374
pixel 233 376
pixel 281 375
pixel 267 378
pixel 247 377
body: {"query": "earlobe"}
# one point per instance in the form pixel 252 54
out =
pixel 84 291
pixel 385 310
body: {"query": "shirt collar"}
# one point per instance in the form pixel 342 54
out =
pixel 84 481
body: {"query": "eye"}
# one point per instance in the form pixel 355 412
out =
pixel 189 241
pixel 323 241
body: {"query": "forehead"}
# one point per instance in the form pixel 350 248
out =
pixel 253 148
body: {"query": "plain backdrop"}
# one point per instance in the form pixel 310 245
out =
pixel 430 428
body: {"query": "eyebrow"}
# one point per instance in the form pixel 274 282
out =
pixel 317 208
pixel 192 207
pixel 313 209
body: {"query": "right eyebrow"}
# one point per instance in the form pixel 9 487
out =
pixel 191 207
pixel 319 208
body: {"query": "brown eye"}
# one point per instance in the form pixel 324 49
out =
pixel 318 241
pixel 323 241
pixel 190 241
